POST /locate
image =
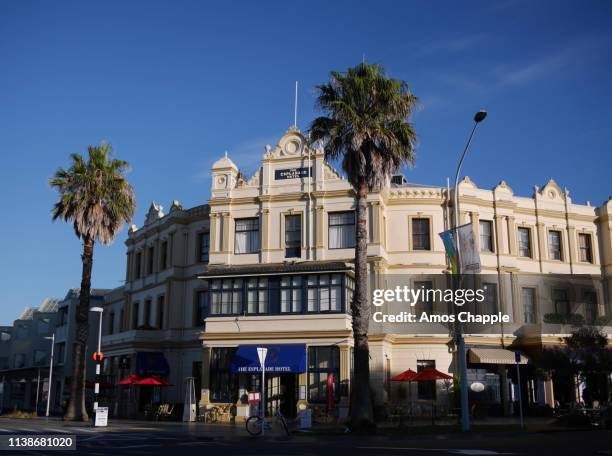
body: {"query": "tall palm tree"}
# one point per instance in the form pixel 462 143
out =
pixel 367 126
pixel 96 198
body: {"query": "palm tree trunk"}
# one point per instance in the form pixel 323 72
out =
pixel 76 406
pixel 361 396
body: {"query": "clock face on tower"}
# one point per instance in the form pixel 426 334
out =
pixel 221 181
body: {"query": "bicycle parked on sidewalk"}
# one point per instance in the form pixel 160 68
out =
pixel 254 424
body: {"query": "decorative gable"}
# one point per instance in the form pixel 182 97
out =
pixel 156 211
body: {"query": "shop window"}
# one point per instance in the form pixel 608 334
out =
pixel 341 231
pixel 322 362
pixel 223 383
pixel 426 390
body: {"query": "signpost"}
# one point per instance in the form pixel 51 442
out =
pixel 261 354
pixel 517 360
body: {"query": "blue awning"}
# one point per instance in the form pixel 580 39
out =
pixel 286 358
pixel 151 363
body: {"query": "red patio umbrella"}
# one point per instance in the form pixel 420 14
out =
pixel 153 381
pixel 430 374
pixel 406 376
pixel 131 380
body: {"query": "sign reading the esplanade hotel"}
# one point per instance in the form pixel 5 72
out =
pixel 292 173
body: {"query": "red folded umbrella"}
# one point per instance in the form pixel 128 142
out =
pixel 131 380
pixel 429 373
pixel 153 381
pixel 406 376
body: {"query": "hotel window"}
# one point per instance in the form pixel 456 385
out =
pixel 489 305
pixel 322 362
pixel 138 271
pixel 62 316
pixel 161 302
pixel 150 258
pixel 561 301
pixel 529 305
pixel 60 352
pixel 111 323
pixel 426 390
pixel 19 360
pixel 163 257
pixel 202 307
pixel 524 238
pixel 341 231
pixel 203 247
pixel 147 313
pixel 223 383
pixel 135 312
pixel 554 245
pixel 424 304
pixel 324 293
pixel 420 234
pixel 293 236
pixel 40 357
pixel 586 252
pixel 257 295
pixel 247 235
pixel 590 306
pixel 291 294
pixel 226 297
pixel 486 235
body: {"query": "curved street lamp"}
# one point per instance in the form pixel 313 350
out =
pixel 460 341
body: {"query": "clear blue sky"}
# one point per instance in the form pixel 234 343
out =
pixel 173 84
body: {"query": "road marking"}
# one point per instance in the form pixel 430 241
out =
pixel 63 431
pixel 84 429
pixel 5 430
pixel 468 452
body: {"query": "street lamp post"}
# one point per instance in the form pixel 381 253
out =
pixel 459 340
pixel 98 310
pixel 52 338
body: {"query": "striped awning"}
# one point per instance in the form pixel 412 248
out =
pixel 493 356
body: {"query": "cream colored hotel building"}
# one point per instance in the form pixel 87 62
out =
pixel 267 261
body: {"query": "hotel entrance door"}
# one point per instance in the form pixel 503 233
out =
pixel 281 394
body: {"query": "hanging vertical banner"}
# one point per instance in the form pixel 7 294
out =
pixel 470 258
pixel 448 238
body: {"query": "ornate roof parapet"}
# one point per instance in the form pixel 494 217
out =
pixel 175 206
pixel 156 211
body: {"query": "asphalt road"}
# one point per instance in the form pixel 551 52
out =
pixel 174 439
